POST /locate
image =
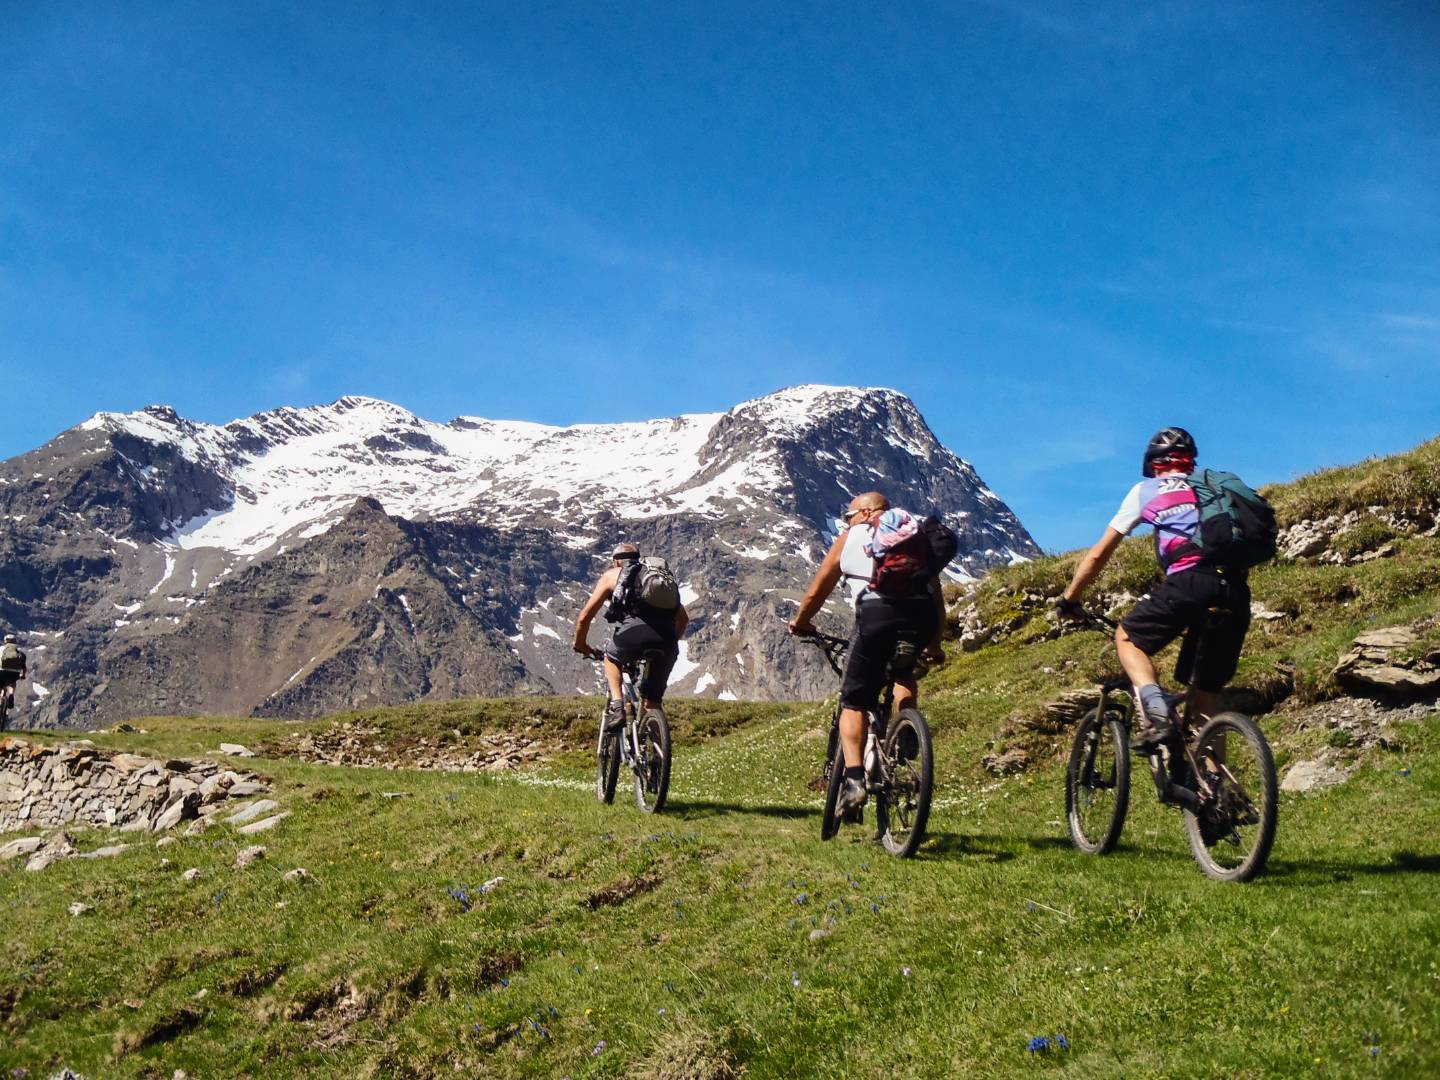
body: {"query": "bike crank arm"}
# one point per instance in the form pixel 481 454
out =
pixel 1169 793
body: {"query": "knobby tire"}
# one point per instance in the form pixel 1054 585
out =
pixel 903 807
pixel 607 762
pixel 1245 809
pixel 829 818
pixel 652 780
pixel 1097 782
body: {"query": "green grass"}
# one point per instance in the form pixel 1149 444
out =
pixel 608 917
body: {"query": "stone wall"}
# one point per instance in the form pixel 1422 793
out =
pixel 43 786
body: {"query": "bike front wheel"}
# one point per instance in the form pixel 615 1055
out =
pixel 903 807
pixel 834 777
pixel 652 767
pixel 607 763
pixel 1097 781
pixel 1231 834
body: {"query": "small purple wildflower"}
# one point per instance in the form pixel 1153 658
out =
pixel 1062 1042
pixel 802 898
pixel 1038 1045
pixel 599 1049
pixel 905 971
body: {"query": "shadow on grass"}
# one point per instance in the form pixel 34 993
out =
pixel 697 808
pixel 1330 870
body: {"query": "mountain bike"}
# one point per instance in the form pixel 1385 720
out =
pixel 1222 778
pixel 642 740
pixel 899 761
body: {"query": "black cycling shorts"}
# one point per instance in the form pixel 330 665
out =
pixel 632 639
pixel 1212 612
pixel 880 624
pixel 9 678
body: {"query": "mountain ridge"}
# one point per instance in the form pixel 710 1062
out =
pixel 131 533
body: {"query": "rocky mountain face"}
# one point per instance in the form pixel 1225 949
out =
pixel 307 560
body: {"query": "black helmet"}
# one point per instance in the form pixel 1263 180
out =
pixel 1169 442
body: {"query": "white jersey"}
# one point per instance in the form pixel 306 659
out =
pixel 856 567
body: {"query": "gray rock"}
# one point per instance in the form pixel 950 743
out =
pixel 242 788
pixel 254 810
pixel 166 841
pixel 173 814
pixel 298 875
pixel 249 856
pixel 105 852
pixel 24 846
pixel 192 874
pixel 264 825
pixel 1378 662
pixel 78 908
pixel 1312 776
pixel 235 750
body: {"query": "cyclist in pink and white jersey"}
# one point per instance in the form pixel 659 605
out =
pixel 1208 604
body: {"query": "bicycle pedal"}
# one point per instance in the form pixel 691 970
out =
pixel 854 817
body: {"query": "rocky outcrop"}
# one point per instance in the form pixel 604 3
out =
pixel 44 786
pixel 1356 536
pixel 1389 662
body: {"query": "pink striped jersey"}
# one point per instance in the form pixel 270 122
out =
pixel 1168 504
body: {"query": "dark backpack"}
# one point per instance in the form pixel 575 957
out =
pixel 1237 526
pixel 11 658
pixel 908 552
pixel 646 582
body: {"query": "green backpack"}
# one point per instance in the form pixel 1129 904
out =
pixel 1237 525
pixel 10 659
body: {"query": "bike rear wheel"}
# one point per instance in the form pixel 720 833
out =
pixel 652 772
pixel 834 777
pixel 607 763
pixel 1097 781
pixel 903 807
pixel 1231 835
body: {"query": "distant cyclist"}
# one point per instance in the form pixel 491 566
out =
pixel 644 603
pixel 12 670
pixel 882 622
pixel 1207 603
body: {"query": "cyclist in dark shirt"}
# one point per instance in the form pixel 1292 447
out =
pixel 639 629
pixel 12 669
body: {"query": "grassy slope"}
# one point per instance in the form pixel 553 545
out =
pixel 683 943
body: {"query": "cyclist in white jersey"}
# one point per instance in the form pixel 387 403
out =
pixel 881 623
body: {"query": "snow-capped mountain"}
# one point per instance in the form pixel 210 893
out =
pixel 303 560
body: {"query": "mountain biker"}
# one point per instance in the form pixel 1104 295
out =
pixel 640 629
pixel 881 624
pixel 12 669
pixel 1208 604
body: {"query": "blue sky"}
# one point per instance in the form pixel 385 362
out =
pixel 1057 227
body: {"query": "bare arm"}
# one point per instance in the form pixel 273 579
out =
pixel 603 588
pixel 682 620
pixel 1092 563
pixel 821 586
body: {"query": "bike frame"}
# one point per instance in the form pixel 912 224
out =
pixel 1118 692
pixel 631 675
pixel 877 719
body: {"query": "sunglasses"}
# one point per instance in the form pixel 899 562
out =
pixel 849 514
